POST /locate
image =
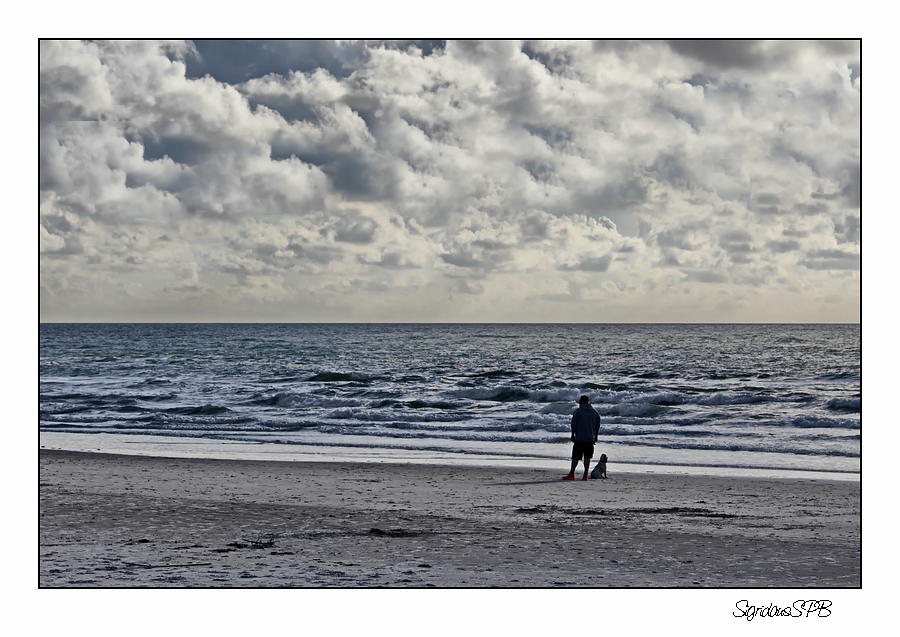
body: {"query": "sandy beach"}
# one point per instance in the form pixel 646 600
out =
pixel 134 521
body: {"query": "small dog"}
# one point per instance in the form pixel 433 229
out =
pixel 600 470
pixel 601 465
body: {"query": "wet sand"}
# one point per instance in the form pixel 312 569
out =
pixel 134 521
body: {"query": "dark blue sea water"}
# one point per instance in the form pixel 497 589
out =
pixel 765 396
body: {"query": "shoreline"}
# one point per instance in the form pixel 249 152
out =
pixel 148 521
pixel 185 447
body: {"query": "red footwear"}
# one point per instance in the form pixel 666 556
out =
pixel 584 477
pixel 571 476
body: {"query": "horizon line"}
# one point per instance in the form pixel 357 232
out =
pixel 446 323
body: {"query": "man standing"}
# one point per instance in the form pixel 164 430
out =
pixel 585 429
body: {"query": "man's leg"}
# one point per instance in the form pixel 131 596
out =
pixel 575 458
pixel 587 466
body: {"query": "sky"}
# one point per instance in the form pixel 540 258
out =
pixel 450 181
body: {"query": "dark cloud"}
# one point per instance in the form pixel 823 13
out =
pixel 619 47
pixel 289 107
pixel 724 54
pixel 539 170
pixel 236 61
pixel 355 229
pixel 675 238
pixel 359 176
pixel 830 260
pixel 672 168
pixel 427 47
pixel 184 149
pixel 644 227
pixel 780 148
pixel 556 62
pixel 621 195
pixel 480 50
pixel 555 136
pixel 736 243
pixel 533 228
pixel 519 99
pixel 782 247
pixel 485 244
pixel 755 55
pixel 52 173
pixel 57 222
pixel 838 47
pixel 852 190
pixel 461 259
pixel 435 130
pixel 606 223
pixel 808 209
pixel 847 231
pixel 669 260
pixel 765 203
pixel 60 89
pixel 766 198
pixel 482 255
pixel 317 254
pixel 700 79
pixel 736 236
pixel 827 196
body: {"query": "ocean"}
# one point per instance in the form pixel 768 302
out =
pixel 770 397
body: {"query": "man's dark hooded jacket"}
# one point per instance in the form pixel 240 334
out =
pixel 585 423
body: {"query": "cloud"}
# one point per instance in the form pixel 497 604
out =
pixel 590 264
pixel 847 230
pixel 236 61
pixel 782 247
pixel 831 260
pixel 726 54
pixel 762 55
pixel 629 172
pixel 355 229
